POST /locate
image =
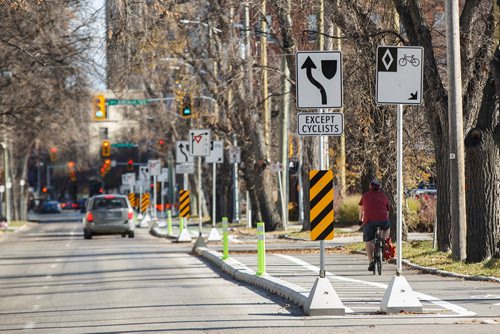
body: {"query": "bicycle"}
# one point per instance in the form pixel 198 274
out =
pixel 378 253
pixel 409 59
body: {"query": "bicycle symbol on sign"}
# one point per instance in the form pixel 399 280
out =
pixel 409 59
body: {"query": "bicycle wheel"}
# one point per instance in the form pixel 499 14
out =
pixel 379 256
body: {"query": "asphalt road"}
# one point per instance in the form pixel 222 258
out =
pixel 53 281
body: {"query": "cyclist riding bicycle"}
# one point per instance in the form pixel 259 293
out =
pixel 374 211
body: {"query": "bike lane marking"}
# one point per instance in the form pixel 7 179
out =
pixel 460 311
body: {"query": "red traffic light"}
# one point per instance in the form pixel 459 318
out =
pixel 53 149
pixel 130 165
pixel 161 142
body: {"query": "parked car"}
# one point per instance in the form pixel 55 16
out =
pixel 50 207
pixel 108 214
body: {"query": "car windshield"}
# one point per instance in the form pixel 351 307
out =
pixel 109 203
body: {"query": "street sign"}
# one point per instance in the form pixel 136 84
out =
pixel 319 79
pixel 234 155
pixel 216 153
pixel 143 173
pixel 154 167
pixel 130 179
pixel 320 124
pixel 163 177
pixel 199 142
pixel 182 154
pixel 184 168
pixel 399 74
pixel 134 102
pixel 276 167
pixel 124 145
pixel 321 204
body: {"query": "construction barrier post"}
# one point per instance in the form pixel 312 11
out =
pixel 225 251
pixel 261 249
pixel 169 222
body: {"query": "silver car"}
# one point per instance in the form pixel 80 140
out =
pixel 108 214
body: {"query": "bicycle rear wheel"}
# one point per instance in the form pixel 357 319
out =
pixel 379 256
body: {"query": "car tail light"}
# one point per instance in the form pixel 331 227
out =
pixel 90 217
pixel 109 197
pixel 130 215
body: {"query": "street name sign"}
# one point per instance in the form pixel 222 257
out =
pixel 182 154
pixel 184 168
pixel 216 153
pixel 199 142
pixel 154 167
pixel 399 74
pixel 319 79
pixel 133 102
pixel 320 124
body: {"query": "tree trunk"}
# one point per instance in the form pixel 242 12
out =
pixel 482 156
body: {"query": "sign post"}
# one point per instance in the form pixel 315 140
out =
pixel 399 82
pixel 154 168
pixel 216 157
pixel 319 85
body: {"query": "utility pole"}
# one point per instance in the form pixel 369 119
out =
pixel 265 92
pixel 8 181
pixel 456 136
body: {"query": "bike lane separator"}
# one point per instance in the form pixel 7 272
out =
pixel 460 311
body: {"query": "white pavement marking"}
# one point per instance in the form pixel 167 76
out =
pixel 36 307
pixel 48 277
pixel 460 311
pixel 497 304
pixel 53 265
pixel 29 325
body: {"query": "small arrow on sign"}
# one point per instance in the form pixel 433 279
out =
pixel 181 148
pixel 414 96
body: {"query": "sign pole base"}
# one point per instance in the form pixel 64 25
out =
pixel 214 235
pixel 323 299
pixel 399 297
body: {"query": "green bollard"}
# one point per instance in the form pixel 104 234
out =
pixel 225 252
pixel 261 249
pixel 169 222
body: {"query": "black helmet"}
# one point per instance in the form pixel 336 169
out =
pixel 375 184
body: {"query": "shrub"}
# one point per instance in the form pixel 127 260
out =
pixel 420 213
pixel 347 212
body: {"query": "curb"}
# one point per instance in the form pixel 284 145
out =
pixel 239 271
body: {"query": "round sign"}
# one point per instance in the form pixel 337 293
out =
pixel 22 182
pixel 2 188
pixel 9 185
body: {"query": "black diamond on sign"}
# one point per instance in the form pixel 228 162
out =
pixel 387 59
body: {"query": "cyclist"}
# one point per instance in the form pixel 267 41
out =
pixel 374 211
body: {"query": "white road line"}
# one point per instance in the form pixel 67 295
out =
pixel 29 325
pixel 444 304
pixel 497 304
pixel 53 265
pixel 36 307
pixel 48 277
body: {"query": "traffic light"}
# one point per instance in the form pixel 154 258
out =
pixel 106 148
pixel 186 107
pixel 161 145
pixel 53 154
pixel 72 172
pixel 130 165
pixel 99 108
pixel 107 165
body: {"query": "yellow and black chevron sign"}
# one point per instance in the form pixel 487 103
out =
pixel 131 199
pixel 184 205
pixel 144 202
pixel 321 199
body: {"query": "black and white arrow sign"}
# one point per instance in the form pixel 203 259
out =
pixel 319 79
